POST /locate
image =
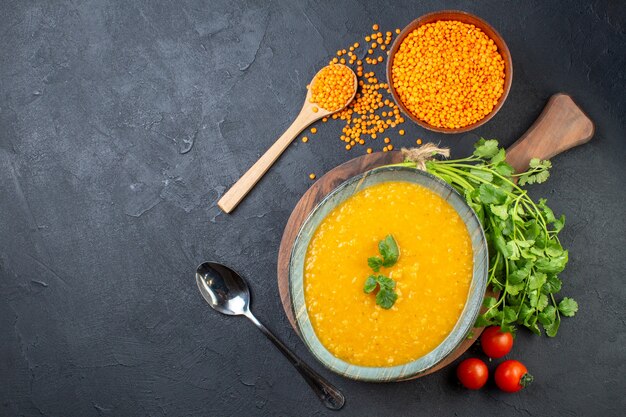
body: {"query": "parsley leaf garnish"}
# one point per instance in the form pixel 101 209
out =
pixel 386 296
pixel 389 254
pixel 388 248
pixel 375 263
pixel 370 284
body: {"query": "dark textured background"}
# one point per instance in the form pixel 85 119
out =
pixel 121 124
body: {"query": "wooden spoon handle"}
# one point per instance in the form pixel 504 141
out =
pixel 562 125
pixel 238 191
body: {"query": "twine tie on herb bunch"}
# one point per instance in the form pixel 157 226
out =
pixel 424 153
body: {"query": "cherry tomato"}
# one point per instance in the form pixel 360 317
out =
pixel 495 343
pixel 512 376
pixel 472 373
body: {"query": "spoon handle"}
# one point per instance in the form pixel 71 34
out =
pixel 330 396
pixel 242 187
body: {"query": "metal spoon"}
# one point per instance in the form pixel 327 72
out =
pixel 228 293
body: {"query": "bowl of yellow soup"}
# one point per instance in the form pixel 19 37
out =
pixel 440 276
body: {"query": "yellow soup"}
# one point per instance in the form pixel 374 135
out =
pixel 432 275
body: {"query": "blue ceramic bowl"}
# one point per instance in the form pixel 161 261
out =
pixel 476 290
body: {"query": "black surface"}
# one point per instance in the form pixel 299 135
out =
pixel 103 218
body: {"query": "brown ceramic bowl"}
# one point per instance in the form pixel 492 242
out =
pixel 465 18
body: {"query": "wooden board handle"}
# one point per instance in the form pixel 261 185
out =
pixel 562 125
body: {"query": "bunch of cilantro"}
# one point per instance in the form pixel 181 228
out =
pixel 525 254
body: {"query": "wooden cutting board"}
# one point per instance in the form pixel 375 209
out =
pixel 562 125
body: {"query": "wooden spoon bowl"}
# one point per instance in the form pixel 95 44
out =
pixel 464 18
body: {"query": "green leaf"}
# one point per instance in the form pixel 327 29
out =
pixel 486 148
pixel 386 298
pixel 497 286
pixel 388 249
pixel 538 172
pixel 549 320
pixel 542 176
pixel 552 328
pixel 489 302
pixel 533 327
pixel 513 250
pixel 548 214
pixel 552 265
pixel 559 223
pixel 375 263
pixel 485 175
pixel 510 314
pixel 516 277
pixel 495 315
pixel 525 313
pixel 481 321
pixel 524 243
pixel 507 327
pixel 499 157
pixel 488 194
pixel 505 169
pixel 547 316
pixel 501 246
pixel 528 254
pixel 568 307
pixel 536 163
pixel 370 284
pixel 537 251
pixel 514 289
pixel 500 211
pixel 554 249
pixel 533 298
pixel 532 229
pixel 386 283
pixel 536 280
pixel 542 302
pixel 553 284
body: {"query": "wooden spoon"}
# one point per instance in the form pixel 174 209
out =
pixel 238 191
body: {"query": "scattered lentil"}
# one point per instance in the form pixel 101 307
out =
pixel 312 176
pixel 370 114
pixel 305 139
